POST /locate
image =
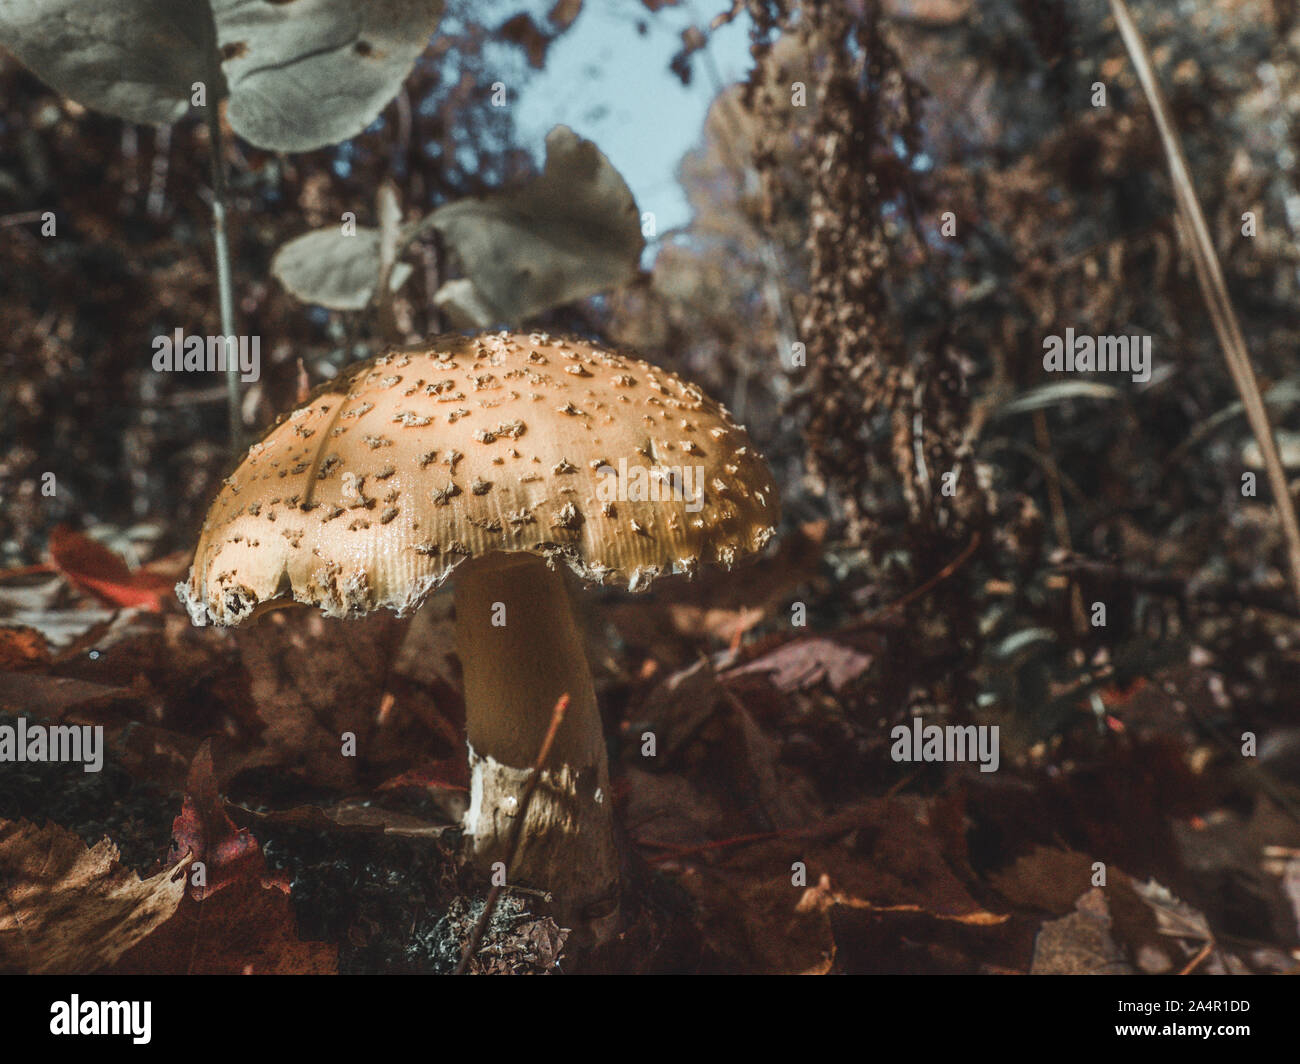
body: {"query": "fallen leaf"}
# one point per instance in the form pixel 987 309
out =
pixel 725 625
pixel 1049 879
pixel 25 603
pixel 679 706
pixel 69 908
pixel 247 929
pixel 53 697
pixel 353 815
pixel 912 940
pixel 239 919
pixel 96 569
pixel 1081 942
pixel 313 679
pixel 449 775
pixel 822 898
pixel 22 648
pixel 804 663
pixel 203 829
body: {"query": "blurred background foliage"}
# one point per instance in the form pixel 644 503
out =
pixel 813 290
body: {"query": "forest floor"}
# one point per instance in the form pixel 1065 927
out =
pixel 771 831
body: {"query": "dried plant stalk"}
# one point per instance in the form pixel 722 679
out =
pixel 1209 274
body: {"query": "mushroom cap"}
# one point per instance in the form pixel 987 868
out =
pixel 402 467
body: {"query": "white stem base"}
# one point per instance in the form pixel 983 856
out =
pixel 567 848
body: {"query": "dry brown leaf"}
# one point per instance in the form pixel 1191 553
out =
pixel 38 603
pixel 22 648
pixel 69 908
pixel 1048 878
pixel 313 680
pixel 804 663
pixel 886 849
pixel 95 569
pixel 247 929
pixel 357 815
pixel 725 625
pixel 822 898
pixel 53 697
pixel 1080 943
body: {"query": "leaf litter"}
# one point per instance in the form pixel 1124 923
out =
pixel 752 852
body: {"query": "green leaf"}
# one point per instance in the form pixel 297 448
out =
pixel 136 59
pixel 567 234
pixel 333 270
pixel 299 75
pixel 1052 394
pixel 316 72
pixel 463 305
pixel 1018 643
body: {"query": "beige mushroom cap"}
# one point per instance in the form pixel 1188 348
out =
pixel 389 476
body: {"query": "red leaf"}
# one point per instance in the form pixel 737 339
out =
pixel 229 854
pixel 249 929
pixel 97 570
pixel 22 648
pixel 249 926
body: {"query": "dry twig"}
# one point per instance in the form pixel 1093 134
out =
pixel 1214 289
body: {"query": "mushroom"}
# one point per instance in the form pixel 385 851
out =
pixel 495 457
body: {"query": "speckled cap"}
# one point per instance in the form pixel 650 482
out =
pixel 389 476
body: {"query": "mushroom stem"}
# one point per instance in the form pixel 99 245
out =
pixel 520 650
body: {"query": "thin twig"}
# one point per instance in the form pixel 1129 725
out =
pixel 225 287
pixel 389 211
pixel 162 148
pixel 918 592
pixel 1214 289
pixel 20 219
pixel 1195 962
pixel 1180 588
pixel 516 834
